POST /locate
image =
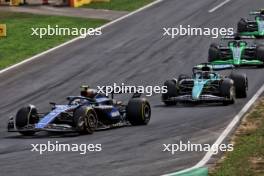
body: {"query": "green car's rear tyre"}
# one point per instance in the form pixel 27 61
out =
pixel 228 91
pixel 242 26
pixel 260 54
pixel 138 111
pixel 214 53
pixel 241 84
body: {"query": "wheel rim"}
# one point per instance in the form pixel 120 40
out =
pixel 91 121
pixel 81 123
pixel 146 111
pixel 232 93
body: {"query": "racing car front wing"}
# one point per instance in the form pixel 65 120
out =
pixel 205 97
pixel 58 127
pixel 33 127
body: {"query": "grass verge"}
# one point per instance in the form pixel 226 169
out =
pixel 247 159
pixel 122 5
pixel 19 44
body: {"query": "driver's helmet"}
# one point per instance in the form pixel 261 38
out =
pixel 206 72
pixel 262 11
pixel 237 36
pixel 86 91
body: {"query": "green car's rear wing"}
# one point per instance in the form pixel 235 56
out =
pixel 214 67
pixel 238 37
pixel 257 12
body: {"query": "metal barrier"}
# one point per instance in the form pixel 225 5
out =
pixel 2 30
pixel 78 3
pixel 72 3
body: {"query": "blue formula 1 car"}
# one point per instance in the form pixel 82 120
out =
pixel 84 114
pixel 206 85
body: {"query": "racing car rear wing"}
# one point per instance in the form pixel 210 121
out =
pixel 237 37
pixel 223 67
pixel 257 12
pixel 135 94
pixel 214 66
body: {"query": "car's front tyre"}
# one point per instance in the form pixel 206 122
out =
pixel 171 92
pixel 26 116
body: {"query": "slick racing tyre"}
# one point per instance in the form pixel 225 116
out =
pixel 241 84
pixel 26 116
pixel 260 54
pixel 85 120
pixel 214 53
pixel 242 26
pixel 228 91
pixel 138 111
pixel 171 92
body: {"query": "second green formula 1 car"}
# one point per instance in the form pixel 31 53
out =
pixel 254 27
pixel 238 51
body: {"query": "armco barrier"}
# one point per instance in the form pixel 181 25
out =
pixel 15 2
pixel 78 3
pixel 2 30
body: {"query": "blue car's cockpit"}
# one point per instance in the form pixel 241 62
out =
pixel 94 96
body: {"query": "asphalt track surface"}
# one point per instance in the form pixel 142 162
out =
pixel 131 51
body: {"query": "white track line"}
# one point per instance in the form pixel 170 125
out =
pixel 225 133
pixel 77 38
pixel 218 6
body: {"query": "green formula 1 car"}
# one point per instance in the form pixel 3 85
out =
pixel 238 51
pixel 254 27
pixel 206 85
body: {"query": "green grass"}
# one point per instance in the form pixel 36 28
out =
pixel 19 44
pixel 122 5
pixel 247 159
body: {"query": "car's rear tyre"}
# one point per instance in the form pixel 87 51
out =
pixel 26 116
pixel 214 45
pixel 242 26
pixel 138 111
pixel 228 91
pixel 214 53
pixel 85 120
pixel 260 54
pixel 241 84
pixel 172 91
